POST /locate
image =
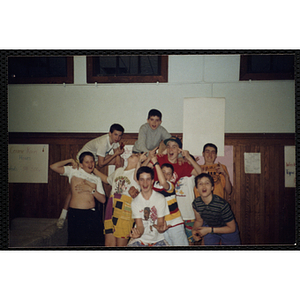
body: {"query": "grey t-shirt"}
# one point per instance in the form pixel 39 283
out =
pixel 148 138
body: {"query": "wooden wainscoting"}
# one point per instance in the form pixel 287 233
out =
pixel 264 208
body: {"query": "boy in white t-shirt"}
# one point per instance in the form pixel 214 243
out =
pixel 149 209
pixel 106 150
pixel 84 222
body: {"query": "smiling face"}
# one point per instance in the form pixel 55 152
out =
pixel 173 151
pixel 88 164
pixel 115 137
pixel 204 187
pixel 209 155
pixel 145 181
pixel 154 122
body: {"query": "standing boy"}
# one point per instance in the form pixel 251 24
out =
pixel 151 133
pixel 101 147
pixel 215 221
pixel 218 171
pixel 174 148
pixel 118 219
pixel 84 222
pixel 148 210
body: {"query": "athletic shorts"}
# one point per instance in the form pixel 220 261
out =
pixel 188 225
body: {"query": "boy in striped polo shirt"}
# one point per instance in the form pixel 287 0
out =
pixel 214 219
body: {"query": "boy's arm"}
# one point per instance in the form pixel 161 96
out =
pixel 161 178
pixel 197 169
pixel 86 187
pixel 103 161
pixel 228 228
pixel 58 167
pixel 142 158
pixel 228 185
pixel 197 225
pixel 102 176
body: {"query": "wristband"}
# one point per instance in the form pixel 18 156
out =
pixel 212 230
pixel 155 164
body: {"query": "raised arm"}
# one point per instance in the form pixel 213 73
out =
pixel 102 176
pixel 58 167
pixel 161 178
pixel 197 169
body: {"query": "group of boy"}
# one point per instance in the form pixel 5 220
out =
pixel 142 209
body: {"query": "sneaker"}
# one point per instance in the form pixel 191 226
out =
pixel 60 223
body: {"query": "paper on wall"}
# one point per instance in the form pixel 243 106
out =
pixel 252 163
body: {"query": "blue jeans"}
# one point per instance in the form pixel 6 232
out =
pixel 225 238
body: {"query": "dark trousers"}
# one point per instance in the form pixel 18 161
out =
pixel 85 227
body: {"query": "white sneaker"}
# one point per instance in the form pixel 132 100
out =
pixel 60 223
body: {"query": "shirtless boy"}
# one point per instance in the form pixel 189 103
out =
pixel 84 222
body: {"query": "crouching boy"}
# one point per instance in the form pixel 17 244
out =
pixel 149 209
pixel 215 221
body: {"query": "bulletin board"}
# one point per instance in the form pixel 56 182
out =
pixel 203 122
pixel 28 163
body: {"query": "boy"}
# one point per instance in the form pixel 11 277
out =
pixel 174 148
pixel 118 220
pixel 217 171
pixel 175 235
pixel 84 222
pixel 214 220
pixel 100 147
pixel 148 210
pixel 151 133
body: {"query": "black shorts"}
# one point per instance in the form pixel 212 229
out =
pixel 85 227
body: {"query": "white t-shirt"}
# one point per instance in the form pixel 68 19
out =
pixel 155 207
pixel 80 173
pixel 185 196
pixel 99 146
pixel 121 181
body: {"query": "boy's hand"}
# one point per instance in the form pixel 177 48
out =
pixel 135 234
pixel 220 169
pixel 152 153
pixel 74 164
pixel 133 192
pixel 84 187
pixel 162 228
pixel 196 235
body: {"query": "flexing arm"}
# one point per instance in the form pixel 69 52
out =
pixel 161 178
pixel 103 161
pixel 58 167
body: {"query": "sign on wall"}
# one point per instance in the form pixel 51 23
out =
pixel 290 166
pixel 28 163
pixel 203 122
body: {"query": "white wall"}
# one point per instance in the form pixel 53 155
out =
pixel 251 107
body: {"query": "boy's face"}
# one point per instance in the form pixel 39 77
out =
pixel 88 164
pixel 209 155
pixel 154 122
pixel 134 158
pixel 167 173
pixel 115 136
pixel 173 150
pixel 145 181
pixel 204 187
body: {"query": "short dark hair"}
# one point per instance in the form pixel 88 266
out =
pixel 210 145
pixel 200 176
pixel 117 127
pixel 167 165
pixel 144 170
pixel 154 113
pixel 84 154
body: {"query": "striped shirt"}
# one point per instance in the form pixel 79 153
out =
pixel 215 214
